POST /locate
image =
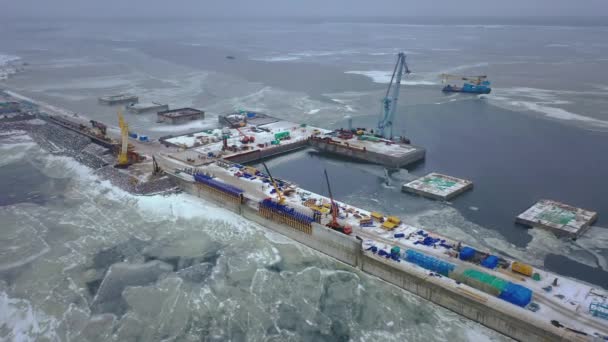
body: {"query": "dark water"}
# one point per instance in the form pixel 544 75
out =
pixel 23 183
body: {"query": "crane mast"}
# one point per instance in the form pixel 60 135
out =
pixel 334 207
pixel 389 102
pixel 274 184
pixel 123 158
pixel 334 224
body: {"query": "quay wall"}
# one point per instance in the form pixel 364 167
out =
pixel 344 248
pixel 369 156
pixel 257 155
pixel 429 288
pixel 348 249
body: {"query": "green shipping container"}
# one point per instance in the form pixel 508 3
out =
pixel 368 137
pixel 281 135
pixel 482 281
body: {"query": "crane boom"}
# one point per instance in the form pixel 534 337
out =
pixel 274 184
pixel 389 102
pixel 334 207
pixel 123 158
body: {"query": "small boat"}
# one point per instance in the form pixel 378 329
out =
pixel 472 85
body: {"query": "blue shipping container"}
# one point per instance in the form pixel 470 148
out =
pixel 428 262
pixel 467 253
pixel 490 262
pixel 516 294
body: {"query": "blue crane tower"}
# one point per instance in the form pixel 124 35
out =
pixel 389 102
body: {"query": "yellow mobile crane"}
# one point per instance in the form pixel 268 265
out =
pixel 274 184
pixel 123 158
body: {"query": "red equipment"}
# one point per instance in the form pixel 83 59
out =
pixel 334 224
pixel 246 139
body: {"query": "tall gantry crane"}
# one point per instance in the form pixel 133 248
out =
pixel 123 157
pixel 389 102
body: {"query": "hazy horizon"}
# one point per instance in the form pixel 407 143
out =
pixel 311 8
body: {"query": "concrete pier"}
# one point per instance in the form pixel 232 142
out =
pixel 560 218
pixel 118 99
pixel 139 108
pixel 482 308
pixel 408 155
pixel 438 186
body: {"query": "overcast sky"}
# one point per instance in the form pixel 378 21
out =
pixel 302 8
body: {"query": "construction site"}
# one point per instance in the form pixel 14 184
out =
pixel 520 301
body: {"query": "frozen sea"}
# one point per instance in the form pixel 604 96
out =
pixel 81 260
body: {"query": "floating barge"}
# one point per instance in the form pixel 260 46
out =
pixel 180 115
pixel 560 218
pixel 391 154
pixel 438 186
pixel 139 108
pixel 118 99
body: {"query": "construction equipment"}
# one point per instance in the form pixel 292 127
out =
pixel 225 136
pixel 246 139
pixel 274 184
pixel 123 158
pixel 155 167
pixel 101 127
pixel 282 135
pixel 389 102
pixel 473 84
pixel 334 224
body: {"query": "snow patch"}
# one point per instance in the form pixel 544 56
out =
pixel 195 125
pixel 543 101
pixel 21 322
pixel 8 66
pixel 277 59
pixel 384 77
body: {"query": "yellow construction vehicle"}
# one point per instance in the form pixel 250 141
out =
pixel 123 158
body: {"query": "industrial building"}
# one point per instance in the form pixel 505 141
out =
pixel 180 115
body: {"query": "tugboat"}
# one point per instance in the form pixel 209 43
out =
pixel 472 84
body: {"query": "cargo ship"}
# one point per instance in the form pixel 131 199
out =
pixel 472 84
pixel 516 299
